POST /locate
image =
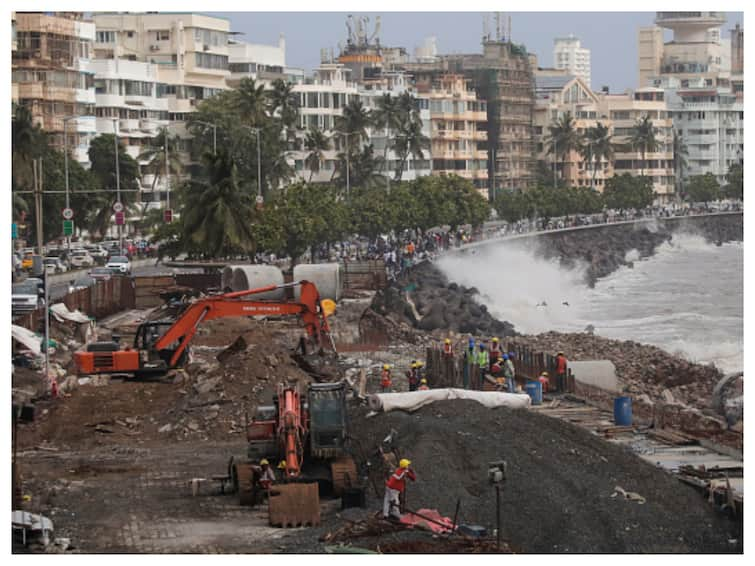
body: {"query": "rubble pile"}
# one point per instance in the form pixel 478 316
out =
pixel 561 484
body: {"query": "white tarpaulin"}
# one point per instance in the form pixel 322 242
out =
pixel 27 338
pixel 413 400
pixel 61 312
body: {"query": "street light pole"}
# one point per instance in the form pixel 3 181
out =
pixel 167 172
pixel 347 164
pixel 65 159
pixel 259 165
pixel 214 135
pixel 117 180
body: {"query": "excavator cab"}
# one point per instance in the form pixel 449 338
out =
pixel 146 336
pixel 327 419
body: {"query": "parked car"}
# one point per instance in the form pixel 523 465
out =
pixel 27 295
pixel 101 273
pixel 98 253
pixel 53 265
pixel 119 263
pixel 81 282
pixel 81 258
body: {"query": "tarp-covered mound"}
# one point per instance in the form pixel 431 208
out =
pixel 413 400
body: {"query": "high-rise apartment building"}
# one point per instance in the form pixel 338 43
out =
pixel 458 134
pixel 650 49
pixel 263 63
pixel 52 76
pixel 570 55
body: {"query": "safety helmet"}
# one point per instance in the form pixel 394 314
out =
pixel 505 356
pixel 545 373
pixel 448 340
pixel 282 465
pixel 264 462
pixel 386 366
pixel 495 339
pixel 482 346
pixel 423 380
pixel 404 463
pixel 420 364
pixel 560 353
pixel 413 365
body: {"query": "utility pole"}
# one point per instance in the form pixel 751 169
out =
pixel 167 173
pixel 347 164
pixel 555 162
pixel 65 157
pixel 259 166
pixel 117 181
pixel 37 167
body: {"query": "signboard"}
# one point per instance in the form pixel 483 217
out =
pixel 118 207
pixel 68 213
pixel 120 219
pixel 168 215
pixel 14 230
pixel 67 227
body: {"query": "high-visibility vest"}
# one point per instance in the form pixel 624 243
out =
pixel 483 359
pixel 448 349
pixel 385 378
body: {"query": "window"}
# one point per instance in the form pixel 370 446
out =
pixel 105 37
pixel 162 35
pixel 210 61
pixel 130 33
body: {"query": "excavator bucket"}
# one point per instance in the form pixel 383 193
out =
pixel 294 505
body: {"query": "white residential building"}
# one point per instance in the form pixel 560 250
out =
pixel 129 104
pixel 570 55
pixel 261 62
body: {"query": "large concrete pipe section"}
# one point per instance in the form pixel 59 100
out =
pixel 327 278
pixel 255 276
pixel 226 278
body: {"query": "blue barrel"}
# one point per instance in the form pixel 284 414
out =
pixel 622 411
pixel 535 390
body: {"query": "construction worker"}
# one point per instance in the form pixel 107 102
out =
pixel 483 361
pixel 385 378
pixel 412 376
pixel 448 349
pixel 419 370
pixel 543 379
pixel 267 476
pixel 508 374
pixel 495 351
pixel 496 370
pixel 423 385
pixel 394 487
pixel 561 363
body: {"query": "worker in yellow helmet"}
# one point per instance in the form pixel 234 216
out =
pixel 412 376
pixel 394 487
pixel 448 349
pixel 423 385
pixel 385 379
pixel 267 475
pixel 495 352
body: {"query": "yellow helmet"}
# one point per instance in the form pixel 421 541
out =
pixel 264 462
pixel 545 373
pixel 423 380
pixel 386 366
pixel 495 339
pixel 448 340
pixel 414 364
pixel 404 463
pixel 328 306
pixel 282 465
pixel 420 364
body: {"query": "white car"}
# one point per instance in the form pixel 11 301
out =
pixel 81 258
pixel 27 296
pixel 53 265
pixel 119 264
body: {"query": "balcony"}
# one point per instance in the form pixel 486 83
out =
pixel 128 125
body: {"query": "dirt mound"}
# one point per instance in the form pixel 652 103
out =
pixel 559 495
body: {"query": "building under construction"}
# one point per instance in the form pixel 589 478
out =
pixel 502 76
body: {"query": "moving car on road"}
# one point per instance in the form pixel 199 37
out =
pixel 81 258
pixel 119 264
pixel 53 265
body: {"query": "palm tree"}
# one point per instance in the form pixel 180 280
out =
pixel 250 101
pixel 354 121
pixel 597 147
pixel 217 214
pixel 27 143
pixel 409 140
pixel 680 160
pixel 386 116
pixel 154 155
pixel 284 103
pixel 316 143
pixel 564 138
pixel 642 138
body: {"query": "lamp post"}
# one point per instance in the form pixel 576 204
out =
pixel 348 165
pixel 65 159
pixel 259 163
pixel 117 181
pixel 214 134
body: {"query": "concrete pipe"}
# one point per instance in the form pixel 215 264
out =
pixel 226 278
pixel 255 276
pixel 326 277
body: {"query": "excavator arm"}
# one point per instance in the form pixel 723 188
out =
pixel 232 305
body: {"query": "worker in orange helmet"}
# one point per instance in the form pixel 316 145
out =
pixel 394 487
pixel 385 378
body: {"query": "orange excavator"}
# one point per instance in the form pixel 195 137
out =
pixel 163 345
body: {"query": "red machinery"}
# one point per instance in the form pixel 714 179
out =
pixel 153 353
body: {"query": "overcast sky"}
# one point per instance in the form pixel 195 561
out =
pixel 611 36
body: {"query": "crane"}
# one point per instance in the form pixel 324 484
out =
pixel 153 353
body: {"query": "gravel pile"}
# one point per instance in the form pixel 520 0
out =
pixel 559 496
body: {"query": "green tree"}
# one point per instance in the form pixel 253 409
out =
pixel 597 147
pixel 284 105
pixel 643 139
pixel 680 161
pixel 703 188
pixel 386 117
pixel 154 155
pixel 563 139
pixel 217 215
pixel 734 187
pixel 316 143
pixel 250 102
pixel 102 159
pixel 625 191
pixel 409 138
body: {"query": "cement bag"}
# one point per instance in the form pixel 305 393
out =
pixel 326 277
pixel 413 400
pixel 254 276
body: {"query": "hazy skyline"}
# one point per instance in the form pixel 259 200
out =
pixel 611 36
